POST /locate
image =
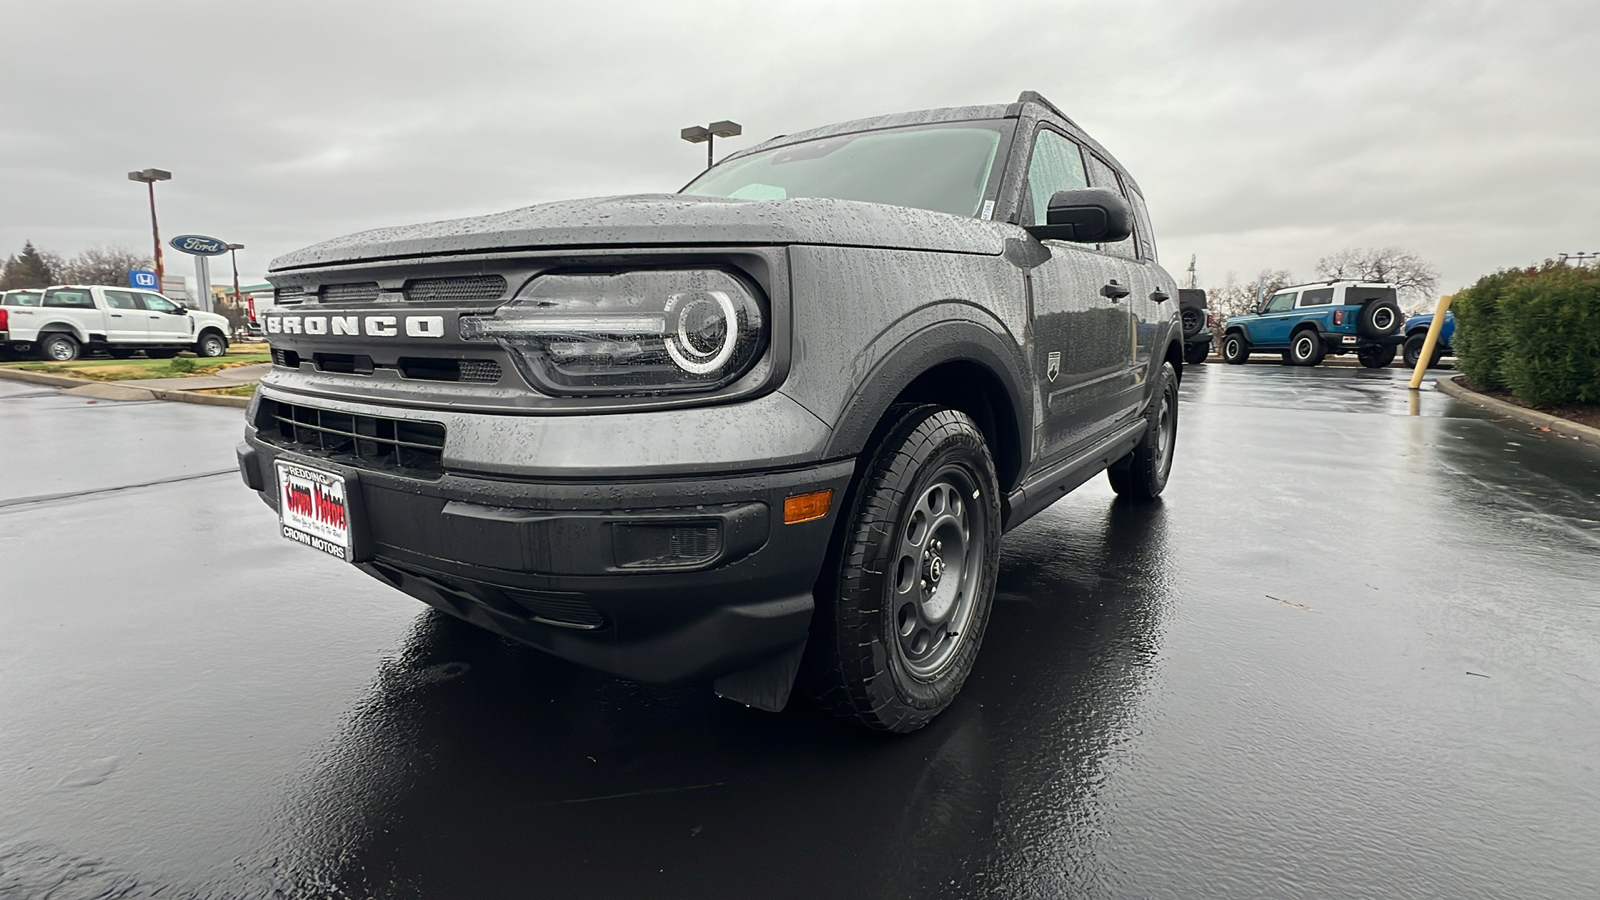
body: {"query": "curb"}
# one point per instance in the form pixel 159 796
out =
pixel 62 381
pixel 1453 386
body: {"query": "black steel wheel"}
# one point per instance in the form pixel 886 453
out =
pixel 1305 348
pixel 1192 319
pixel 1235 348
pixel 905 597
pixel 1376 357
pixel 59 348
pixel 1142 474
pixel 1196 353
pixel 1413 351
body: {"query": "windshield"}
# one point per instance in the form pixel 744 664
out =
pixel 939 167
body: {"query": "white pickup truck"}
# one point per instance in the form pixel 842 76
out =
pixel 62 322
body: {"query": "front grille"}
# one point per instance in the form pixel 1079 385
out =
pixel 471 287
pixel 286 358
pixel 362 441
pixel 364 292
pixel 425 368
pixel 289 295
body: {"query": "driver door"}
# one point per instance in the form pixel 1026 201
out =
pixel 1082 340
pixel 1277 318
pixel 168 324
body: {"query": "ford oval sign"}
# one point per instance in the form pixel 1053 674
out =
pixel 199 245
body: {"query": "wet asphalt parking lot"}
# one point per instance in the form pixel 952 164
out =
pixel 1355 652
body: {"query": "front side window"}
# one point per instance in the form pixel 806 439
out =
pixel 945 168
pixel 1281 302
pixel 158 303
pixel 1056 165
pixel 1318 297
pixel 1101 175
pixel 69 298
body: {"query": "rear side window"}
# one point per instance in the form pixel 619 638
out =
pixel 1101 175
pixel 1356 296
pixel 1056 165
pixel 121 300
pixel 1318 297
pixel 69 298
pixel 1141 228
pixel 22 298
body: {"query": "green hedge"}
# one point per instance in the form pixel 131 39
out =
pixel 1535 331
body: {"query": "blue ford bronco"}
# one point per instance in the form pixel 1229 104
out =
pixel 1307 322
pixel 1417 334
pixel 764 432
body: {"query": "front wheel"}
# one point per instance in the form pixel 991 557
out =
pixel 59 348
pixel 905 597
pixel 211 346
pixel 1235 348
pixel 1413 352
pixel 1196 353
pixel 1376 357
pixel 1142 474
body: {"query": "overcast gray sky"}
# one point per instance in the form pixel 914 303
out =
pixel 1265 133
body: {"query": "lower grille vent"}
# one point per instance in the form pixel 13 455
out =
pixel 365 292
pixel 361 441
pixel 285 358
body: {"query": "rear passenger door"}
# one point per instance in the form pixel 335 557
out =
pixel 125 318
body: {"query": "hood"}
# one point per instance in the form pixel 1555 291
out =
pixel 665 219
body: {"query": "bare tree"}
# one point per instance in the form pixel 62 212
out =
pixel 1235 299
pixel 102 265
pixel 1414 278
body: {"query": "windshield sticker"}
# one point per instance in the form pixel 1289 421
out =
pixel 988 210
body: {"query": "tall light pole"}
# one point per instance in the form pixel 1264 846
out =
pixel 233 255
pixel 150 177
pixel 707 134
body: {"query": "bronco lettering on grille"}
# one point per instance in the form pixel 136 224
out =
pixel 369 326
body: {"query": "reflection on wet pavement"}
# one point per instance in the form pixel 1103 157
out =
pixel 1353 652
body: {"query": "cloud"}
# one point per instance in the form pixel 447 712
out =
pixel 1264 134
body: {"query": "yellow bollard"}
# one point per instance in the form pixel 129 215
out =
pixel 1431 341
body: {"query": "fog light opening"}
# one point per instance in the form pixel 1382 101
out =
pixel 807 507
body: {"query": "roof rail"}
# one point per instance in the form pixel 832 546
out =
pixel 1036 97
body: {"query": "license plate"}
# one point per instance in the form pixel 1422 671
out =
pixel 314 509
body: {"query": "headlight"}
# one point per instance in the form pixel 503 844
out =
pixel 650 331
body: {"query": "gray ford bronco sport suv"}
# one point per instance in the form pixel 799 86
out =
pixel 767 431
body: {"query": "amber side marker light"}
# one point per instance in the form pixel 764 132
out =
pixel 806 507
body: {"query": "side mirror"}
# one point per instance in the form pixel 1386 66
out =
pixel 1086 215
pixel 183 310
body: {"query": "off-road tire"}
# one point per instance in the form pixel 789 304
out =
pixel 1235 348
pixel 1377 356
pixel 210 346
pixel 1305 348
pixel 59 348
pixel 1380 318
pixel 1413 351
pixel 1196 353
pixel 1192 319
pixel 1142 474
pixel 160 353
pixel 120 352
pixel 859 662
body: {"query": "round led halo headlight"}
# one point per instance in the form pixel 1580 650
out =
pixel 681 345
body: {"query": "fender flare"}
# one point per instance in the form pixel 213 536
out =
pixel 211 329
pixel 59 326
pixel 944 341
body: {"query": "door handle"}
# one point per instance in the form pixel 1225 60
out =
pixel 1114 291
pixel 116 315
pixel 1160 296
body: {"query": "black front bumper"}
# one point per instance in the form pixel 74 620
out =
pixel 661 581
